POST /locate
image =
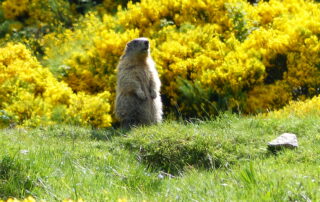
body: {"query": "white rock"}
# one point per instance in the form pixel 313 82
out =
pixel 24 151
pixel 284 140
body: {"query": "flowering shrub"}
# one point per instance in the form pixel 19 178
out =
pixel 298 108
pixel 39 12
pixel 263 48
pixel 211 56
pixel 91 110
pixel 30 94
pixel 13 9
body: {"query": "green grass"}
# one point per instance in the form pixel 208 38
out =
pixel 225 159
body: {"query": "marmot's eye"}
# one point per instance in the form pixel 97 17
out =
pixel 146 43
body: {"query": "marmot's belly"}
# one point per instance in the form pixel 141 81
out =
pixel 129 107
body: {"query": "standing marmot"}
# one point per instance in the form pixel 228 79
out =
pixel 138 99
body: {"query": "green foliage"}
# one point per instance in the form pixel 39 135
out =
pixel 196 101
pixel 238 16
pixel 5 118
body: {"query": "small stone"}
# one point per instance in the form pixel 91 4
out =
pixel 285 140
pixel 24 151
pixel 160 176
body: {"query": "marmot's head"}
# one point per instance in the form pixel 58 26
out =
pixel 138 47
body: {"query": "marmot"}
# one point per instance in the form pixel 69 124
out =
pixel 138 99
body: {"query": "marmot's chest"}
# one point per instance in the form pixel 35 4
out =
pixel 144 75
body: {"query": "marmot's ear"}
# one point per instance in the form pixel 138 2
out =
pixel 127 47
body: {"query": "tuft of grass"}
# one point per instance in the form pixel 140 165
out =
pixel 14 177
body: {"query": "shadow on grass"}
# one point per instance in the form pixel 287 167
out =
pixel 107 134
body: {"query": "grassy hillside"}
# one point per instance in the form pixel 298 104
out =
pixel 58 58
pixel 225 159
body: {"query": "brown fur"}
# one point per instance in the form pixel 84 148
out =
pixel 138 99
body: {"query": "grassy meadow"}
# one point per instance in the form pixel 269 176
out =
pixel 224 159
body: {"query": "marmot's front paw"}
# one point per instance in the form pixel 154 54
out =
pixel 153 94
pixel 141 95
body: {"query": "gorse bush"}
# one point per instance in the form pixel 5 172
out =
pixel 298 108
pixel 211 55
pixel 30 94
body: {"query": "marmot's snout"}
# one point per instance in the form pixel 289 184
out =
pixel 146 45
